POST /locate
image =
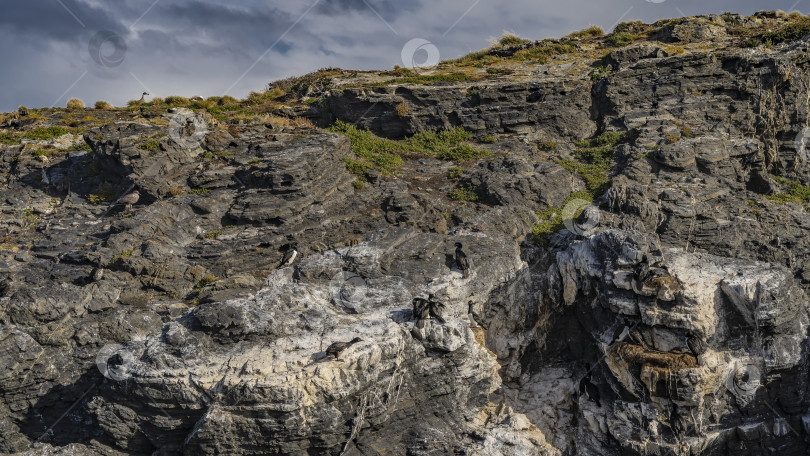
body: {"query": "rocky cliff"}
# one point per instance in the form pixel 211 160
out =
pixel 633 207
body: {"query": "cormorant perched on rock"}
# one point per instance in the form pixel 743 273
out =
pixel 421 311
pixel 129 199
pixel 462 261
pixel 695 344
pixel 435 308
pixel 638 338
pixel 337 348
pixel 289 256
pixel 5 285
pixel 587 387
pixel 641 271
pixel 474 316
pixel 676 422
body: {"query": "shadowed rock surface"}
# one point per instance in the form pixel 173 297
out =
pixel 615 212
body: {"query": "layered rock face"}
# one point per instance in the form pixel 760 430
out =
pixel 667 316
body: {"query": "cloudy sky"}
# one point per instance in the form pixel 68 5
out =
pixel 52 50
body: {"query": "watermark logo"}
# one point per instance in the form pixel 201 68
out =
pixel 187 129
pixel 107 49
pixel 348 289
pixel 115 362
pixel 743 380
pixel 420 53
pixel 580 216
pixel 656 1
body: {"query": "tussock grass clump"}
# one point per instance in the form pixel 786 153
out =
pixel 510 39
pixel 543 52
pixel 594 31
pixel 797 28
pixel 75 103
pixel 174 100
pixel 619 39
pixel 101 104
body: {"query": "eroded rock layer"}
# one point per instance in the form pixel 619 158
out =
pixel 637 240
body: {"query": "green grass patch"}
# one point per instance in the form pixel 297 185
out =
pixel 464 193
pixel 9 137
pixel 463 152
pixel 477 59
pixel 619 39
pixel 593 31
pixel 543 52
pixel 213 234
pixel 200 191
pixel 510 39
pixel 207 280
pixel 551 220
pixel 594 160
pixel 427 79
pixel 45 133
pixel 81 147
pixel 386 155
pixel 106 194
pixel 790 32
pixel 797 193
pixel 125 254
pixel 151 145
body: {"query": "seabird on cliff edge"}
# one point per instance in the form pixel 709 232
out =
pixel 337 348
pixel 695 344
pixel 289 256
pixel 587 387
pixel 462 261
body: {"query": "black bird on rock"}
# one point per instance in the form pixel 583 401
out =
pixel 474 316
pixel 435 308
pixel 676 421
pixel 695 344
pixel 421 311
pixel 462 261
pixel 289 256
pixel 638 338
pixel 587 388
pixel 337 348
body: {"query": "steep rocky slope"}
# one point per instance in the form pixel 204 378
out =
pixel 633 207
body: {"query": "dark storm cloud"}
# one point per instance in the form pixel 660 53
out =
pixel 47 20
pixel 206 47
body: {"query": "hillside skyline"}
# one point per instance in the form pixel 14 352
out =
pixel 86 49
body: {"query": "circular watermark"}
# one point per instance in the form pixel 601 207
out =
pixel 580 216
pixel 348 289
pixel 420 53
pixel 115 362
pixel 107 49
pixel 187 129
pixel 743 380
